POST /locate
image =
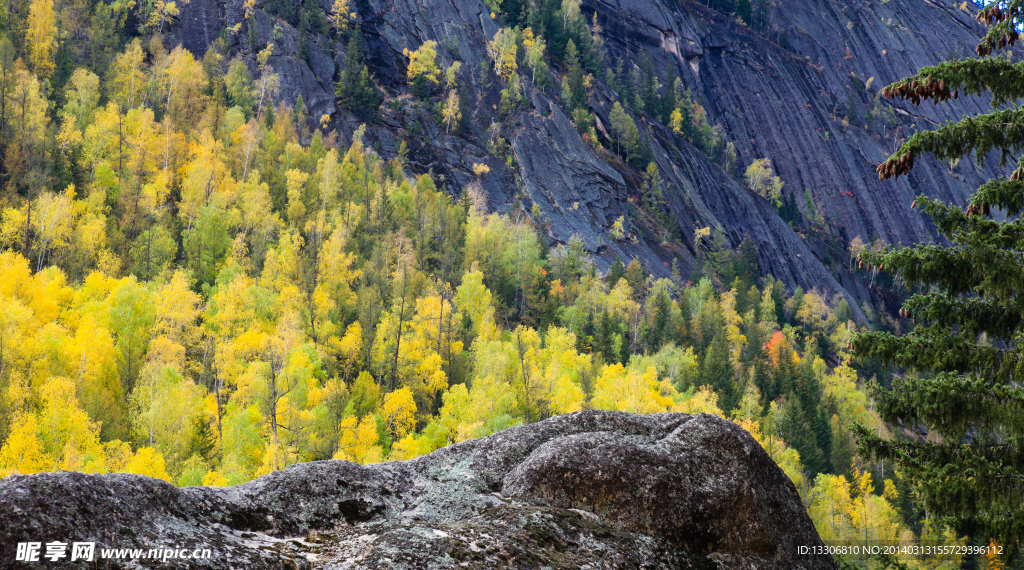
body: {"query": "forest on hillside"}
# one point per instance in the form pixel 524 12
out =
pixel 202 284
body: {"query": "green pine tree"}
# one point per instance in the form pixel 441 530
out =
pixel 796 429
pixel 716 371
pixel 964 360
pixel 627 136
pixel 744 11
pixel 648 85
pixel 615 272
pixel 660 311
pixel 577 88
pixel 355 91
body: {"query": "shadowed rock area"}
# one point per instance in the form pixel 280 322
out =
pixel 585 490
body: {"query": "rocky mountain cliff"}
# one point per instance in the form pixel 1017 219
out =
pixel 584 490
pixel 799 89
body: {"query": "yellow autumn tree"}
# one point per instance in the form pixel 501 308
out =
pixel 22 452
pixel 41 36
pixel 409 447
pixel 451 112
pixel 68 436
pixel 347 348
pixel 399 411
pixel 359 441
pixel 627 390
pixel 733 322
pixel 474 300
pixel 503 51
pixel 214 479
pixel 561 368
pixel 166 409
pixel 423 62
pixel 703 401
pixel 341 15
pixel 675 121
pixel 148 461
pixel 296 205
pixel 760 178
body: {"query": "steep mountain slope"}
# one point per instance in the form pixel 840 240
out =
pixel 799 89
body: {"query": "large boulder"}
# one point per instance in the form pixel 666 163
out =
pixel 585 490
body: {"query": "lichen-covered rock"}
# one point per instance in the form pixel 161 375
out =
pixel 585 490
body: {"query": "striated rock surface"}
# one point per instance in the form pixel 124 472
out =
pixel 799 88
pixel 584 490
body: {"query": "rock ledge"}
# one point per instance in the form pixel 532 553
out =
pixel 585 490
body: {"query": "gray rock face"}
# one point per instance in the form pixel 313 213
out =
pixel 780 91
pixel 783 93
pixel 787 102
pixel 584 490
pixel 574 187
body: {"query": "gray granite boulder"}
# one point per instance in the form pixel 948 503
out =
pixel 585 490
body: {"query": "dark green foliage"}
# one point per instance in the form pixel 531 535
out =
pixel 466 117
pixel 603 337
pixel 777 289
pixel 671 96
pixel 203 440
pixel 652 191
pixel 585 44
pixel 441 236
pixel 746 264
pixel 104 39
pixel 724 6
pixel 755 341
pixel 420 88
pixel 287 10
pixel 627 82
pixel 355 91
pixel 851 108
pixel 648 86
pixel 964 361
pixel 660 316
pixel 841 458
pixel 759 14
pixel 616 272
pixel 716 371
pixel 576 86
pixel 151 252
pixel 613 76
pixel 695 126
pixel 206 243
pixel 796 429
pixel 788 210
pixel 515 12
pixel 301 117
pixel 240 86
pixel 744 11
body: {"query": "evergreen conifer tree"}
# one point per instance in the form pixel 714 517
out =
pixel 355 91
pixel 648 85
pixel 716 371
pixel 744 11
pixel 616 272
pixel 667 103
pixel 965 358
pixel 576 86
